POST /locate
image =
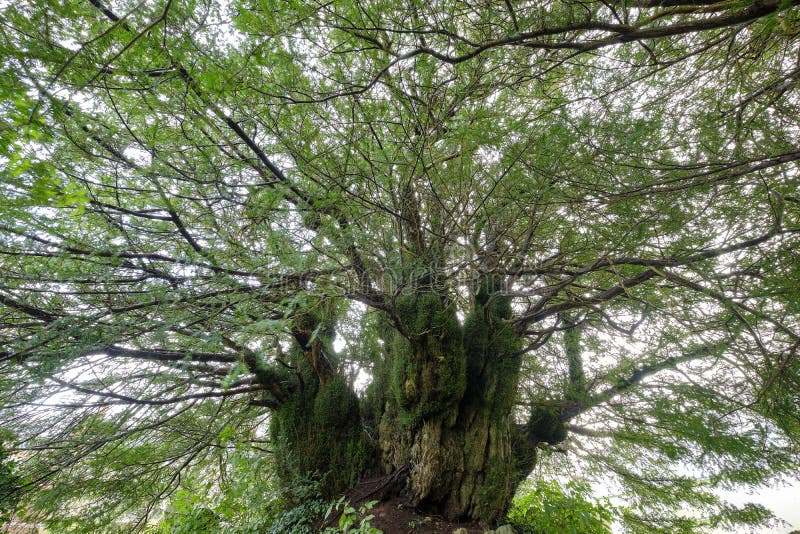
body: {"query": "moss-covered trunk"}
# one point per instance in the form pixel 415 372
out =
pixel 462 467
pixel 441 407
pixel 317 430
pixel 447 414
pixel 318 437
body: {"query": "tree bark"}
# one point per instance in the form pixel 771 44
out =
pixel 441 405
pixel 447 414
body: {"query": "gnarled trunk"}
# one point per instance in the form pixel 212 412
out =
pixel 447 414
pixel 463 468
pixel 442 407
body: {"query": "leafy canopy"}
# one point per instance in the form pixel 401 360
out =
pixel 183 182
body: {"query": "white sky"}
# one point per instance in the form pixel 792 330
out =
pixel 784 501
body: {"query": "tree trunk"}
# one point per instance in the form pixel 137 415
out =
pixel 447 413
pixel 462 469
pixel 318 437
pixel 442 405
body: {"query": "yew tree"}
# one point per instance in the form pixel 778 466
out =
pixel 437 241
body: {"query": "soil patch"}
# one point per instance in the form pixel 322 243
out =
pixel 395 515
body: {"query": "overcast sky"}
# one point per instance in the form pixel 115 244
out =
pixel 784 501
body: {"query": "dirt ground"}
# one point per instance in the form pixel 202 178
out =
pixel 394 514
pixel 396 517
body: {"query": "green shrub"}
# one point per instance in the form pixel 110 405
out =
pixel 303 519
pixel 317 434
pixel 298 520
pixel 352 521
pixel 547 508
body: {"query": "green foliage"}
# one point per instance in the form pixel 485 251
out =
pixel 351 520
pixel 190 190
pixel 246 500
pixel 301 508
pixel 311 512
pixel 10 485
pixel 299 519
pixel 549 508
pixel 185 517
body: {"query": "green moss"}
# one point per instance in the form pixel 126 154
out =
pixel 505 391
pixel 525 454
pixel 492 350
pixel 499 307
pixel 376 326
pixel 428 368
pixel 491 346
pixel 497 488
pixel 416 312
pixel 545 425
pixel 268 375
pixel 318 435
pixel 476 340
